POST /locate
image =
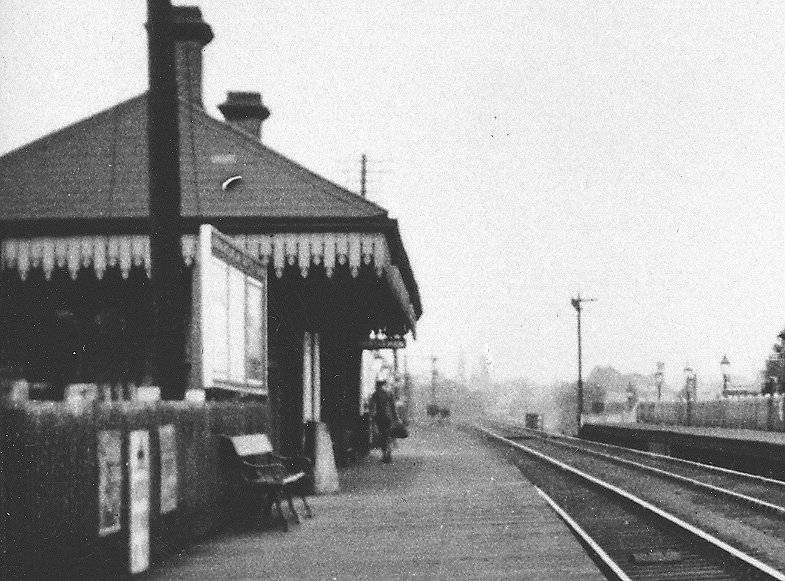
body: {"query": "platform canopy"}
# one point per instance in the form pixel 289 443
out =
pixel 78 198
pixel 304 250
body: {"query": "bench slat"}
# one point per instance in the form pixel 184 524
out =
pixel 252 445
pixel 293 477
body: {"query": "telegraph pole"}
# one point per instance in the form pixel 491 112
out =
pixel 434 374
pixel 576 303
pixel 363 175
pixel 164 165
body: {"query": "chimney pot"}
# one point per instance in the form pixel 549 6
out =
pixel 245 111
pixel 191 33
pixel 189 25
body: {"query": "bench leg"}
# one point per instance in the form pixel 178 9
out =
pixel 308 511
pixel 291 507
pixel 267 507
pixel 281 515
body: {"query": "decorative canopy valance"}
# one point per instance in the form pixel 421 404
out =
pixel 100 252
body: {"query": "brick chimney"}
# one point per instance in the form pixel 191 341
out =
pixel 191 34
pixel 245 111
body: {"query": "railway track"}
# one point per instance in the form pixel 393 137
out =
pixel 644 525
pixel 765 494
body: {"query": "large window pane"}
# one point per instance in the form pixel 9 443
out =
pixel 254 332
pixel 236 326
pixel 216 341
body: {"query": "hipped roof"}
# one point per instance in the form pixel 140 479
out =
pixel 93 176
pixel 97 168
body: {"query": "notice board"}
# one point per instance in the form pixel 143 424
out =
pixel 110 481
pixel 231 306
pixel 139 494
pixel 167 438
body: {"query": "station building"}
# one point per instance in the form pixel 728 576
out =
pixel 75 265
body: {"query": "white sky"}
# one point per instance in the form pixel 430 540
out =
pixel 530 150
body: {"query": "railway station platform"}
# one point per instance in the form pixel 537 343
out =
pixel 740 434
pixel 447 508
pixel 755 438
pixel 757 451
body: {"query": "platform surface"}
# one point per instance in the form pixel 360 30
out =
pixel 740 434
pixel 447 508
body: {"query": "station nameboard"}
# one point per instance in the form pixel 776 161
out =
pixel 390 343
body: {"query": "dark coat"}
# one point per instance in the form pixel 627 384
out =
pixel 383 407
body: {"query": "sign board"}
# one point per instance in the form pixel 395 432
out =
pixel 390 343
pixel 110 481
pixel 231 298
pixel 167 438
pixel 139 494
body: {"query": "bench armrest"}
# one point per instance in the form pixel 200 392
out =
pixel 295 463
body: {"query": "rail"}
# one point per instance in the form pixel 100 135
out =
pixel 701 537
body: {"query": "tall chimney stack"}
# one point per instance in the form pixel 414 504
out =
pixel 245 111
pixel 191 34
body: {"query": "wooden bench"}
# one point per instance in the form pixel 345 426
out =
pixel 252 460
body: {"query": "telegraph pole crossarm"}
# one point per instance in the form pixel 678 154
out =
pixel 577 305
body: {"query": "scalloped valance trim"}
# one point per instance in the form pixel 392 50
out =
pixel 101 252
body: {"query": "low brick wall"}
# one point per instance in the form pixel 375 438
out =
pixel 51 474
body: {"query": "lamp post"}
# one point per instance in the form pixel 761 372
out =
pixel 779 348
pixel 432 408
pixel 725 366
pixel 690 381
pixel 576 303
pixel 773 365
pixel 658 377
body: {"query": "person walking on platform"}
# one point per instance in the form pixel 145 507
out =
pixel 385 415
